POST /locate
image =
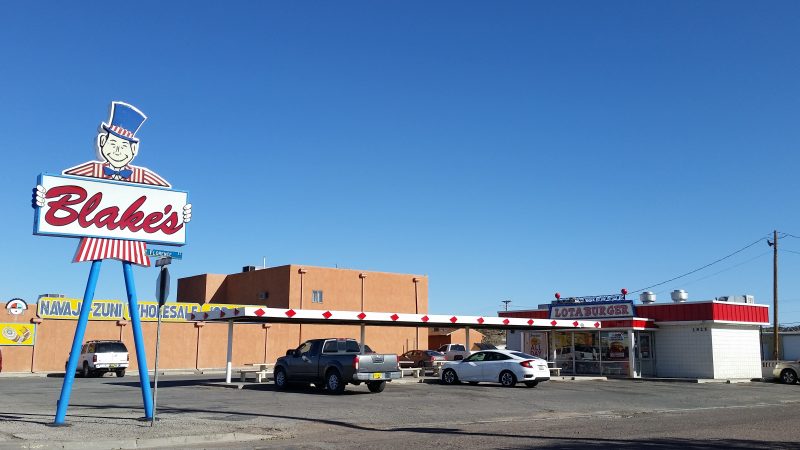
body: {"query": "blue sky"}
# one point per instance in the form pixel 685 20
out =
pixel 508 150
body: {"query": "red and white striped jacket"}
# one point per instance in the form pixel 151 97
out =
pixel 92 249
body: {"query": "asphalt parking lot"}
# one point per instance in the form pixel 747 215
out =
pixel 196 412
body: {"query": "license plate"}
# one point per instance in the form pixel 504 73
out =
pixel 377 376
pixel 111 366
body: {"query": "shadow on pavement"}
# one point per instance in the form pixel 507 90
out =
pixel 655 444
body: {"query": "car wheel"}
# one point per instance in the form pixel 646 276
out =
pixel 531 383
pixel 85 372
pixel 121 373
pixel 788 376
pixel 334 382
pixel 507 379
pixel 450 377
pixel 376 386
pixel 280 379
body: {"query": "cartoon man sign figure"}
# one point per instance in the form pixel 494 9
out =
pixel 117 146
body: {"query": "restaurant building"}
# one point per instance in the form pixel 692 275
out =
pixel 711 339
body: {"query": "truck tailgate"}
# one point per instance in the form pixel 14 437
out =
pixel 377 367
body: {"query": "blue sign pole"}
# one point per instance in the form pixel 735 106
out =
pixel 138 339
pixel 77 341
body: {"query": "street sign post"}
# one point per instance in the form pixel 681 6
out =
pixel 162 292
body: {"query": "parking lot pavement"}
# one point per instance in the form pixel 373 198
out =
pixel 195 413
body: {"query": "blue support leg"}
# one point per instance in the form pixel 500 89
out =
pixel 77 341
pixel 138 339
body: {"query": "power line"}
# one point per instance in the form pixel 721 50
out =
pixel 790 251
pixel 701 268
pixel 726 269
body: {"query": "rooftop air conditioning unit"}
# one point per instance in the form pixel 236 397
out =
pixel 679 295
pixel 248 268
pixel 647 297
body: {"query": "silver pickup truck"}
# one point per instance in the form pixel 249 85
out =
pixel 333 363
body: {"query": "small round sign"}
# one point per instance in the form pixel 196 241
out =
pixel 16 306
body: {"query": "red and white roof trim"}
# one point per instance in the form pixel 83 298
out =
pixel 260 313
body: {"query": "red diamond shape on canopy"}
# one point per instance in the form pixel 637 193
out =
pixel 327 314
pixel 425 318
pixel 530 322
pixel 554 323
pixel 290 313
pixel 506 321
pixel 575 324
pixel 260 312
pixel 235 311
pixel 454 319
pixel 394 317
pixel 480 320
pixel 597 324
pixel 361 316
pixel 222 313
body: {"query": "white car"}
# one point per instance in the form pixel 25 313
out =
pixel 506 367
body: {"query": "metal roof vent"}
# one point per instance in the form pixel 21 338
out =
pixel 647 297
pixel 679 295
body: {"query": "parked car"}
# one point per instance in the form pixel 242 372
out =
pixel 454 352
pixel 497 366
pixel 787 371
pixel 333 363
pixel 99 357
pixel 423 358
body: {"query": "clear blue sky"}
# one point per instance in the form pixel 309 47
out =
pixel 508 150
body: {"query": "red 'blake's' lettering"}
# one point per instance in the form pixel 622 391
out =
pixel 67 198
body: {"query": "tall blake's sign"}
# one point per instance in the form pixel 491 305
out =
pixel 116 209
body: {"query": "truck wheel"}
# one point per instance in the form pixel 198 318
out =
pixel 85 372
pixel 788 376
pixel 376 386
pixel 507 379
pixel 280 379
pixel 121 373
pixel 334 382
pixel 449 377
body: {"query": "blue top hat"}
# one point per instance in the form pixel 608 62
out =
pixel 124 121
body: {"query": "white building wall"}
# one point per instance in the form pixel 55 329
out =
pixel 737 352
pixel 684 351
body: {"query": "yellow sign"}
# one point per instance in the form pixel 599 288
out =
pixel 17 333
pixel 171 312
pixel 70 308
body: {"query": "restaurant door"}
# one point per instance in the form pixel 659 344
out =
pixel 644 363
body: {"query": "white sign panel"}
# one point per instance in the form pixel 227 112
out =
pixel 83 207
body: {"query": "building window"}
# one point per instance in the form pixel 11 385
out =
pixel 316 297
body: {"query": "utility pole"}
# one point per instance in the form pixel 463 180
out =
pixel 506 302
pixel 775 294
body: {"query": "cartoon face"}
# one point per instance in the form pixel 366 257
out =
pixel 118 152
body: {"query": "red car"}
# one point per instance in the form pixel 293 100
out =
pixel 422 358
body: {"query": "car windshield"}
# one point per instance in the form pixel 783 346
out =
pixel 110 347
pixel 457 348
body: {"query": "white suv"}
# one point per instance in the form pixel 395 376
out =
pixel 98 357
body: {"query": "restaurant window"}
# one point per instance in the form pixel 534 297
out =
pixel 586 352
pixel 615 347
pixel 316 297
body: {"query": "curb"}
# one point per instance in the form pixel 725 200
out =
pixel 143 443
